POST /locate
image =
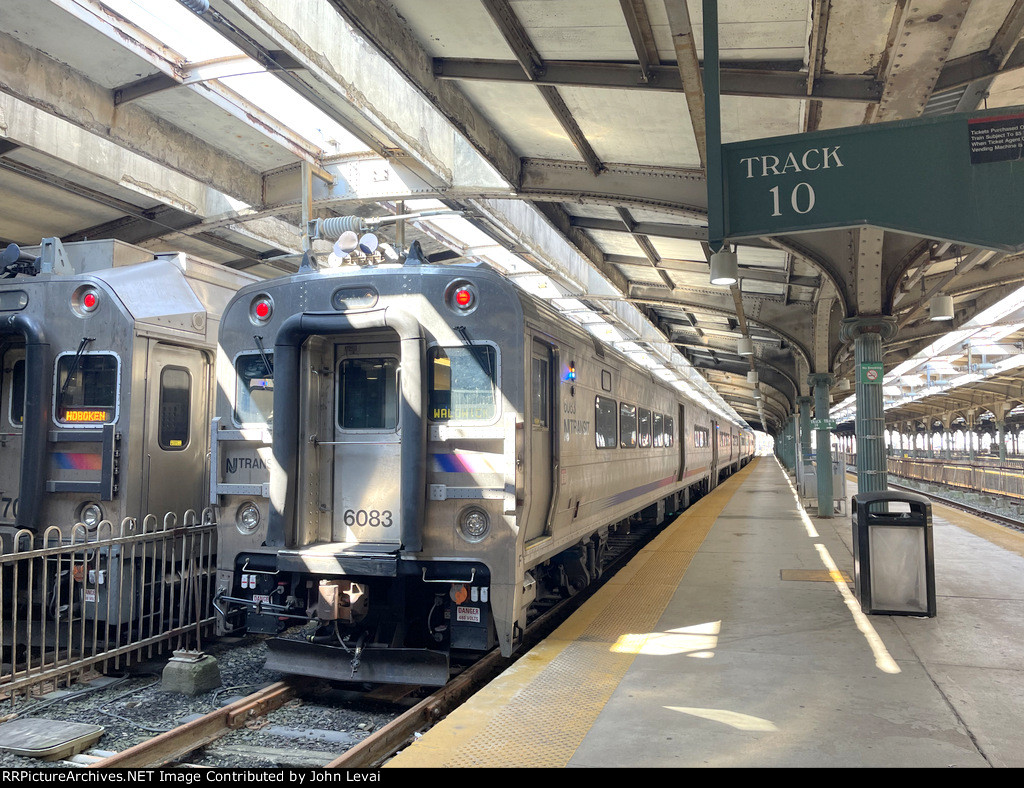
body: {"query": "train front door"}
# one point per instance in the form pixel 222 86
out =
pixel 177 426
pixel 713 482
pixel 367 444
pixel 542 427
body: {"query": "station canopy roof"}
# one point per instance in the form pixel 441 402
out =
pixel 560 141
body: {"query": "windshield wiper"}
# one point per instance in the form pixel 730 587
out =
pixel 263 354
pixel 71 372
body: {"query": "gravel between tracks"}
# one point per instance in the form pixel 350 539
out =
pixel 135 708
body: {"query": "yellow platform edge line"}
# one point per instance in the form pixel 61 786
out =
pixel 540 731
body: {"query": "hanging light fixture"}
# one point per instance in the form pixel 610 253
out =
pixel 940 307
pixel 724 266
pixel 744 346
pixel 752 377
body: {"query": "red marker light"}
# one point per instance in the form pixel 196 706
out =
pixel 262 310
pixel 89 301
pixel 463 297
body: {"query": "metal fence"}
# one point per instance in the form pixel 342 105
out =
pixel 990 479
pixel 100 599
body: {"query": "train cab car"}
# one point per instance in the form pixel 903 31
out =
pixel 107 355
pixel 408 459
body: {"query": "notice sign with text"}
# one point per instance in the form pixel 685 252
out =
pixel 996 139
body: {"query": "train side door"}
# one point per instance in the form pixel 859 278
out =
pixel 12 418
pixel 714 453
pixel 367 444
pixel 681 438
pixel 177 425
pixel 542 425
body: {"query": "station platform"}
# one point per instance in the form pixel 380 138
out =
pixel 735 640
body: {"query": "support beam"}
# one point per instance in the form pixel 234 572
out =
pixel 533 66
pixel 96 156
pixel 737 79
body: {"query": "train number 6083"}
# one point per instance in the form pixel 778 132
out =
pixel 372 518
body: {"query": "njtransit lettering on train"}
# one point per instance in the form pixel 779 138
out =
pixel 236 464
pixel 576 427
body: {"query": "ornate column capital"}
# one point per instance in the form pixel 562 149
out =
pixel 826 379
pixel 853 327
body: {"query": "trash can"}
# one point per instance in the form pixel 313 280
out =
pixel 893 559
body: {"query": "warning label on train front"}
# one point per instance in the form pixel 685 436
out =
pixel 471 614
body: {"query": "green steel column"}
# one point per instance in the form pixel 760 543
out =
pixel 868 334
pixel 1001 433
pixel 788 456
pixel 795 443
pixel 805 428
pixel 821 383
pixel 713 127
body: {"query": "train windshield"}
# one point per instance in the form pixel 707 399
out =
pixel 254 395
pixel 16 389
pixel 87 386
pixel 462 383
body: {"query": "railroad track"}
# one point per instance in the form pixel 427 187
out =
pixel 175 746
pixel 1016 525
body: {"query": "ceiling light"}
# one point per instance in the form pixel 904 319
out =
pixel 940 307
pixel 744 346
pixel 724 267
pixel 752 377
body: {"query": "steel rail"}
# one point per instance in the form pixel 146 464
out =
pixel 174 744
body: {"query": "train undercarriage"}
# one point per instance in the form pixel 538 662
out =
pixel 409 622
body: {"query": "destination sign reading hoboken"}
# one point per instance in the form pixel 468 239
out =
pixel 957 177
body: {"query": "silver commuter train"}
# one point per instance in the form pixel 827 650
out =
pixel 107 353
pixel 406 458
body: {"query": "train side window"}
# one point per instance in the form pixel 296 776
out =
pixel 16 394
pixel 659 430
pixel 605 423
pixel 86 390
pixel 700 437
pixel 627 426
pixel 462 383
pixel 540 392
pixel 368 394
pixel 644 428
pixel 174 409
pixel 254 393
pixel 670 431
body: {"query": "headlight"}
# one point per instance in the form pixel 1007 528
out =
pixel 90 514
pixel 247 518
pixel 474 524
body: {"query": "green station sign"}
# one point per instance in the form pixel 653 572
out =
pixel 871 373
pixel 956 177
pixel 823 424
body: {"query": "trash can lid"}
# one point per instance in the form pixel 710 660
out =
pixel 889 495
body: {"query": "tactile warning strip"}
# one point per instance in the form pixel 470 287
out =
pixel 537 713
